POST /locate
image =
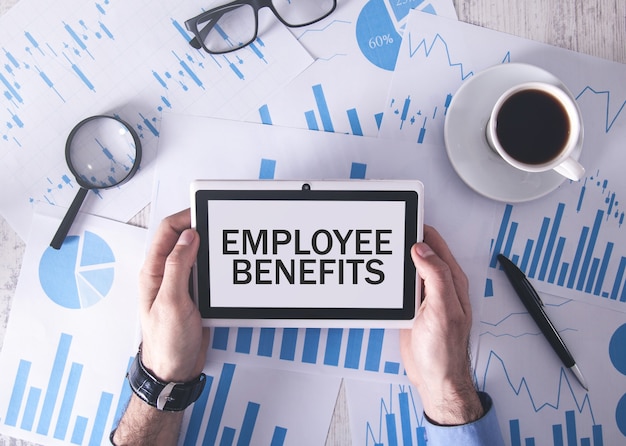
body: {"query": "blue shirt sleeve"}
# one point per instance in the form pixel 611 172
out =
pixel 482 432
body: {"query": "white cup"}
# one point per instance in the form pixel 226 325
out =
pixel 536 127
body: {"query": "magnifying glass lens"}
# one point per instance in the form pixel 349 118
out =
pixel 101 152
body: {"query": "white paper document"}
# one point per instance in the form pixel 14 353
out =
pixel 62 62
pixel 534 394
pixel 572 242
pixel 72 332
pixel 355 48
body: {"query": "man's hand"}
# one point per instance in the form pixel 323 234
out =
pixel 174 342
pixel 435 351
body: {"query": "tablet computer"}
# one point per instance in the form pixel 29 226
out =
pixel 307 253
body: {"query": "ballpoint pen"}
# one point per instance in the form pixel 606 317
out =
pixel 534 305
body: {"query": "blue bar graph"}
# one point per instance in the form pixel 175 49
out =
pixel 333 346
pixel 17 395
pixel 516 438
pixel 244 340
pixel 355 124
pixel 197 413
pixel 322 107
pixel 374 350
pixel 267 170
pixel 399 422
pixel 570 428
pixel 220 338
pixel 54 384
pixel 278 439
pixel 266 342
pixel 99 427
pixel 219 404
pixel 357 171
pixel 311 121
pixel 247 426
pixel 353 354
pixel 311 345
pixel 288 345
pixel 50 411
pixel 392 435
pixel 405 419
pixel 68 401
pixel 30 411
pixel 264 112
pixel 215 429
pixel 586 264
pixel 348 349
pixel 80 427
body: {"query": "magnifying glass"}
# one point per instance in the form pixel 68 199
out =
pixel 101 152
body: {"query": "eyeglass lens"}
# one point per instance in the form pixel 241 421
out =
pixel 233 29
pixel 302 12
pixel 235 26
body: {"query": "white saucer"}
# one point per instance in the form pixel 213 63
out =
pixel 474 161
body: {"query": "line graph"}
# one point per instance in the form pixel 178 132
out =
pixel 567 401
pixel 537 399
pixel 611 116
pixel 436 52
pixel 564 386
pixel 429 48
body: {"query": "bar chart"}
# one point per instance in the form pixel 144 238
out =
pixel 249 405
pixel 50 411
pixel 561 434
pixel 227 435
pixel 384 414
pixel 337 350
pixel 320 117
pixel 398 422
pixel 584 258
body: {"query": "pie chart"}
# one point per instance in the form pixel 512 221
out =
pixel 379 28
pixel 80 274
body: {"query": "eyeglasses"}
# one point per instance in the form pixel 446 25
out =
pixel 235 25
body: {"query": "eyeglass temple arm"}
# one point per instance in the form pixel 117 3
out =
pixel 196 42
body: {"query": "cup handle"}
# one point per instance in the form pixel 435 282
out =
pixel 571 169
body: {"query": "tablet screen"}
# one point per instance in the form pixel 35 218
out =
pixel 306 254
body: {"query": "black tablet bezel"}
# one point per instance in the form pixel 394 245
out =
pixel 407 312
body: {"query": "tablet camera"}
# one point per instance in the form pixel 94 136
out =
pixel 306 186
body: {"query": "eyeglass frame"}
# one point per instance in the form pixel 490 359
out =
pixel 198 41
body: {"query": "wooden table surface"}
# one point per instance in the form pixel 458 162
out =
pixel 595 27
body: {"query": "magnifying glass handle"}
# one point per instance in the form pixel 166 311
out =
pixel 66 224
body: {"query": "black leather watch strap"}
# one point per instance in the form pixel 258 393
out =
pixel 170 397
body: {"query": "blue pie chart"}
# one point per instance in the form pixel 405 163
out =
pixel 80 274
pixel 378 29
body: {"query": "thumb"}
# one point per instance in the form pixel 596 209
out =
pixel 435 273
pixel 178 266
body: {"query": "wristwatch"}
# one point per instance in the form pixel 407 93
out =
pixel 170 397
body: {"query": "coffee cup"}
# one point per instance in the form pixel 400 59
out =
pixel 537 127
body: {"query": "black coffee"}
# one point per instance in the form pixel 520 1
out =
pixel 532 127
